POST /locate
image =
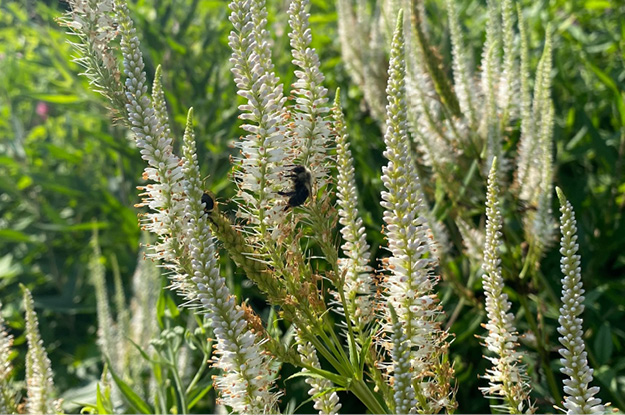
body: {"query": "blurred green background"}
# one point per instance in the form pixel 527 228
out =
pixel 64 168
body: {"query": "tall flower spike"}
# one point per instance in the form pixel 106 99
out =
pixel 358 279
pixel 164 195
pixel 246 381
pixel 109 338
pixel 532 145
pixel 403 392
pixel 106 331
pixel 579 397
pixel 490 71
pixel 312 130
pixel 40 388
pixel 146 285
pixel 264 151
pixel 8 398
pixel 462 75
pixel 542 221
pixel 491 120
pixel 508 79
pixel 526 141
pixel 410 283
pixel 507 378
pixel 363 51
pixel 93 23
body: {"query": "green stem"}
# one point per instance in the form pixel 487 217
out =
pixel 540 347
pixel 362 392
pixel 182 404
pixel 198 374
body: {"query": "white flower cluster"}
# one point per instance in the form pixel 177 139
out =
pixel 41 392
pixel 94 24
pixel 174 197
pixel 264 152
pixel 8 399
pixel 409 286
pixel 311 129
pixel 163 195
pixel 246 382
pixel 580 398
pixel 451 122
pixel 507 377
pixel 358 274
pixel 325 402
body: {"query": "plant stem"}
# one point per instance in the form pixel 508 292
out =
pixel 540 347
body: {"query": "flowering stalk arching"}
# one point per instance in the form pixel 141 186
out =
pixel 93 22
pixel 246 382
pixel 163 196
pixel 579 398
pixel 410 283
pixel 507 378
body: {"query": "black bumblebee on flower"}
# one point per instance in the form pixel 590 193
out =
pixel 302 186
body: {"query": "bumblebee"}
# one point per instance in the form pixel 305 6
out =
pixel 208 201
pixel 302 186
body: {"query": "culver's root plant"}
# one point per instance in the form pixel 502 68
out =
pixel 379 332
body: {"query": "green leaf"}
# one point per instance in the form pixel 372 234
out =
pixel 603 343
pixel 160 309
pixel 194 398
pixel 12 235
pixel 321 374
pixel 597 5
pixel 56 99
pixel 141 351
pixel 132 398
pixel 103 400
pixel 172 307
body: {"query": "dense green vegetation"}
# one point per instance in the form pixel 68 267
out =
pixel 65 170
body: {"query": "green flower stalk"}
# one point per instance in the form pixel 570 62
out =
pixel 410 284
pixel 8 398
pixel 507 378
pixel 40 390
pixel 579 396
